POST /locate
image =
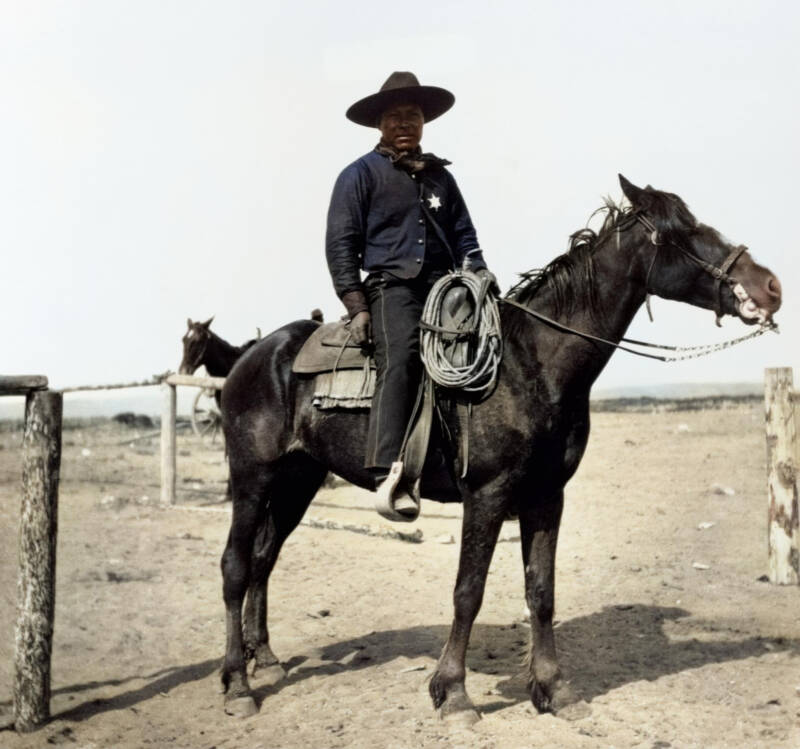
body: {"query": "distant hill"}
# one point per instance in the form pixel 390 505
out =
pixel 678 391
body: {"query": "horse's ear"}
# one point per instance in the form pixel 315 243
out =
pixel 189 322
pixel 208 322
pixel 637 197
pixel 258 334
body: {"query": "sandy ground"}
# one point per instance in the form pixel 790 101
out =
pixel 665 654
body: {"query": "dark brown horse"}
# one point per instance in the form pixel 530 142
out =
pixel 526 440
pixel 203 347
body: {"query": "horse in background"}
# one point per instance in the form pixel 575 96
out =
pixel 203 347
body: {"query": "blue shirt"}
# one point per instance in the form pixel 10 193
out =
pixel 377 221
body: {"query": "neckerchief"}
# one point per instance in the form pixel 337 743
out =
pixel 411 161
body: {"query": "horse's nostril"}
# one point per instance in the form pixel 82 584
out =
pixel 774 287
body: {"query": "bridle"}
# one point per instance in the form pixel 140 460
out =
pixel 718 273
pixel 198 359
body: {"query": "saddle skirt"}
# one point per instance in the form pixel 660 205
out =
pixel 344 388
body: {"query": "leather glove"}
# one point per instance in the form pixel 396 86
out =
pixel 361 328
pixel 494 287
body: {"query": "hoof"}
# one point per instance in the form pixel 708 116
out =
pixel 556 701
pixel 539 698
pixel 269 675
pixel 458 711
pixel 241 707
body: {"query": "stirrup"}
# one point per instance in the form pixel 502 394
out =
pixel 404 508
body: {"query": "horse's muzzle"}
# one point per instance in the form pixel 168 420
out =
pixel 757 291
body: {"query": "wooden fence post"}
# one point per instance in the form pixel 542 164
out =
pixel 37 559
pixel 168 446
pixel 782 478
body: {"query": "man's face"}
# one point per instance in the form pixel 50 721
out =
pixel 401 126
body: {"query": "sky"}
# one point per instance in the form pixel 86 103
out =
pixel 173 159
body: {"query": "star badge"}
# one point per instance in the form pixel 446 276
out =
pixel 434 202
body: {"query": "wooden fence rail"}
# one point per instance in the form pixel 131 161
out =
pixel 21 384
pixel 152 381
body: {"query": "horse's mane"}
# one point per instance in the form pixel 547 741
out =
pixel 574 269
pixel 571 276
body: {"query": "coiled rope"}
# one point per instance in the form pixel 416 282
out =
pixel 480 331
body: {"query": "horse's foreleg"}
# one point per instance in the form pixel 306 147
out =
pixel 480 528
pixel 539 533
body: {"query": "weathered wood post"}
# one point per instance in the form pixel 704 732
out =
pixel 37 558
pixel 782 478
pixel 168 444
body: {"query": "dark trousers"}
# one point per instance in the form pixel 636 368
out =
pixel 395 308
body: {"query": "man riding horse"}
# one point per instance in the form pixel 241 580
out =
pixel 397 214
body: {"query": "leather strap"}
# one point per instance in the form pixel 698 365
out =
pixel 415 445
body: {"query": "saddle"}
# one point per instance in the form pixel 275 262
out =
pixel 344 372
pixel 330 348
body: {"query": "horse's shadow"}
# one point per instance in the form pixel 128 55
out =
pixel 598 653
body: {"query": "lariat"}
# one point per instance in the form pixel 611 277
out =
pixel 481 330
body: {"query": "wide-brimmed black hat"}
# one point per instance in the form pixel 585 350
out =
pixel 401 87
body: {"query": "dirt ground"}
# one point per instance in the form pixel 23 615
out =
pixel 663 624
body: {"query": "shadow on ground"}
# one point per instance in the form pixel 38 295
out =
pixel 599 653
pixel 165 680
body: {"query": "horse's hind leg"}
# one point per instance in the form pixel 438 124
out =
pixel 249 510
pixel 295 485
pixel 539 534
pixel 256 635
pixel 481 525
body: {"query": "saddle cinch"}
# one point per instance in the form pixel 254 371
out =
pixel 345 376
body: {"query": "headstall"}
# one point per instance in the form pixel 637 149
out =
pixel 719 274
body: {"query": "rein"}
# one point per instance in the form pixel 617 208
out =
pixel 690 352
